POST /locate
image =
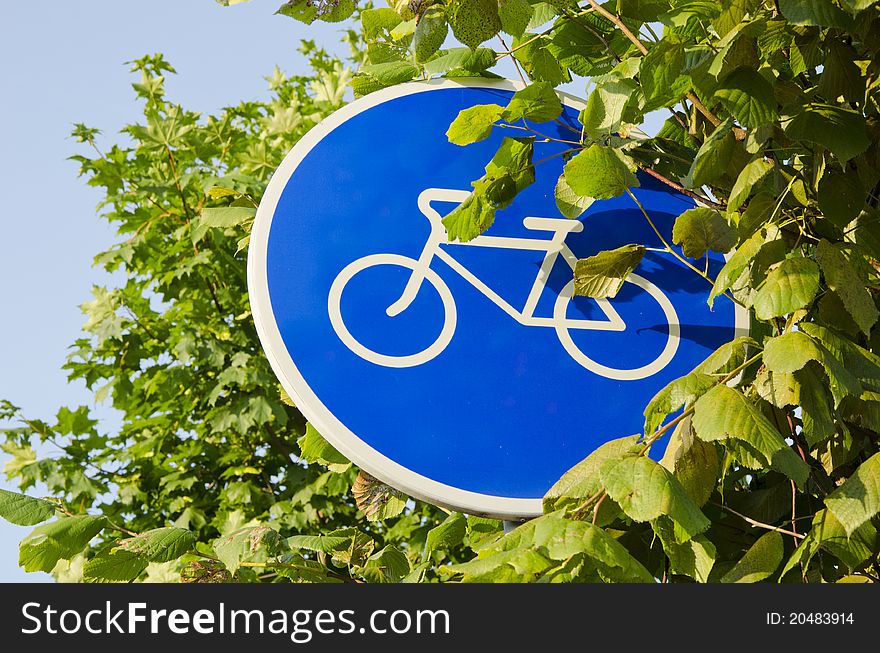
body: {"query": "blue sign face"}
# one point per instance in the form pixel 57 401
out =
pixel 464 374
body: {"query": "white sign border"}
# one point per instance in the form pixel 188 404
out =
pixel 349 444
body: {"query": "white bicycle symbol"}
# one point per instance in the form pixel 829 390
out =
pixel 554 247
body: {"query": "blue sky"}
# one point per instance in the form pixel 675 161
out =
pixel 63 62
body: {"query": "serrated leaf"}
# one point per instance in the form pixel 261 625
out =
pixel 474 21
pixel 661 75
pixel 377 500
pixel 858 499
pixel 582 481
pixel 735 266
pixel 473 124
pixel 430 34
pixel 461 58
pixel 537 102
pixel 826 532
pixel 160 544
pixel 694 558
pixel 644 490
pixel 564 538
pixel 315 449
pixel 821 13
pixel 700 229
pixel 599 172
pixel 389 565
pixel 712 158
pixel 753 173
pixel 759 562
pixel 250 544
pixel 449 533
pixel 748 97
pixel 841 131
pixel 114 565
pixel 603 275
pixel 308 11
pixel 724 414
pixel 59 539
pixel 376 21
pixel 515 16
pixel 227 216
pixel 841 197
pixel 482 531
pixel 674 395
pixel 24 510
pixel 509 171
pixel 693 462
pixel 844 281
pixel 605 106
pixel 790 286
pixel 569 203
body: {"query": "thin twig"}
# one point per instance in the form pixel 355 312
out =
pixel 681 189
pixel 759 524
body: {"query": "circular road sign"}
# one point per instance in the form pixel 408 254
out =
pixel 464 374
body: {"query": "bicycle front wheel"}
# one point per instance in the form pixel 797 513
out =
pixel 334 307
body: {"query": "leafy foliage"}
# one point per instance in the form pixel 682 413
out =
pixel 771 471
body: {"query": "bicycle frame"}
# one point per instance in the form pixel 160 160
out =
pixel 553 248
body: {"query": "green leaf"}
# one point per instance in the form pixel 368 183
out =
pixel 308 11
pixel 564 538
pixel 699 229
pixel 509 171
pixel 62 538
pixel 515 16
pixel 373 77
pixel 315 449
pixel 388 565
pixel 160 544
pixel 828 533
pixel 712 158
pixel 605 106
pixel 842 131
pixel 754 172
pixel 322 543
pixel 694 558
pixel 537 102
pixel 474 61
pixel 759 562
pixel 603 275
pixel 748 97
pixel 250 544
pixel 821 13
pixel 24 510
pixel 599 172
pixel 736 265
pixel 693 462
pixel 474 21
pixel 376 21
pixel 790 286
pixel 841 197
pixel 844 281
pixel 447 535
pixel 674 395
pixel 474 124
pixel 582 481
pixel 661 75
pixel 377 500
pixel 858 499
pixel 114 565
pixel 430 34
pixel 569 203
pixel 227 216
pixel 726 414
pixel 645 491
